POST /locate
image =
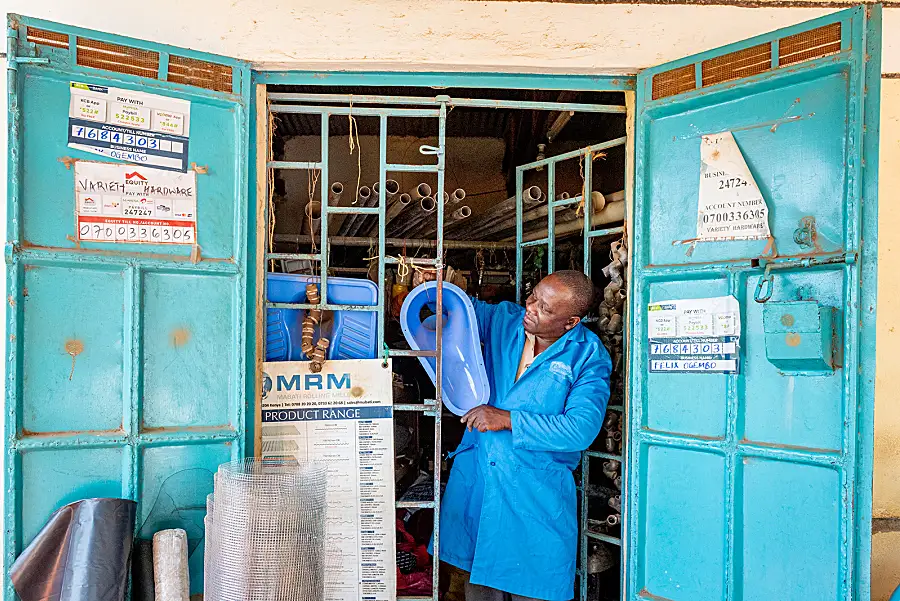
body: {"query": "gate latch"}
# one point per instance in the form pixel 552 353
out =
pixel 766 284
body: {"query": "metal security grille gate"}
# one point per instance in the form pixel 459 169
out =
pixel 342 105
pixel 586 156
pixel 282 103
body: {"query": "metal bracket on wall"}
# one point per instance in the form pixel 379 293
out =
pixel 12 59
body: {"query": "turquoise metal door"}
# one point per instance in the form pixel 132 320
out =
pixel 126 361
pixel 756 485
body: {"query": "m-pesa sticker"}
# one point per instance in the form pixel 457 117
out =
pixel 126 125
pixel 124 203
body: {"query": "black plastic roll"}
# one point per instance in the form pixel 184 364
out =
pixel 82 554
pixel 142 587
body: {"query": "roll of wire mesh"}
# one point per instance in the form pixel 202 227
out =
pixel 266 532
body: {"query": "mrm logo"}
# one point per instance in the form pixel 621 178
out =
pixel 313 382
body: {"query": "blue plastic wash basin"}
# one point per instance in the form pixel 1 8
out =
pixel 464 379
pixel 354 335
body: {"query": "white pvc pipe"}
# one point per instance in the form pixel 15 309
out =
pixel 420 191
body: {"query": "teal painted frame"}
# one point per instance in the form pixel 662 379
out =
pixel 595 83
pixel 858 434
pixel 439 80
pixel 23 56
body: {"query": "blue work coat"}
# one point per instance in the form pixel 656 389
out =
pixel 509 512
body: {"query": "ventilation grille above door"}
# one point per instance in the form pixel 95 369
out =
pixel 47 38
pixel 114 57
pixel 136 61
pixel 809 45
pixel 202 74
pixel 674 82
pixel 801 47
pixel 743 63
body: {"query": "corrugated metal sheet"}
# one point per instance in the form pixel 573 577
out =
pixel 468 122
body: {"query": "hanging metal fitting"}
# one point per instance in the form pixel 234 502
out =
pixel 805 235
pixel 764 287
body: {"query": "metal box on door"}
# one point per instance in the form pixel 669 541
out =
pixel 800 335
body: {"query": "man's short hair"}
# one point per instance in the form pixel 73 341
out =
pixel 581 287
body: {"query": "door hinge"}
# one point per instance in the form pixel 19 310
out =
pixel 13 60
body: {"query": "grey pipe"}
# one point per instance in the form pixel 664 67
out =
pixel 362 199
pixel 613 520
pixel 426 206
pixel 334 200
pixel 420 191
pixel 564 215
pixel 400 203
pixel 458 196
pixel 463 212
pixel 313 211
pixel 334 197
pixel 397 242
pixel 391 188
pixel 364 222
pixel 430 223
pixel 505 208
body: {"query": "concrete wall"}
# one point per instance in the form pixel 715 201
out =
pixel 437 35
pixel 886 544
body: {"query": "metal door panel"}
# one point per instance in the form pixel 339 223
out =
pixel 685 525
pixel 811 122
pixel 52 478
pixel 46 185
pixel 796 410
pixel 702 413
pixel 185 345
pixel 787 507
pixel 778 456
pixel 155 400
pixel 73 369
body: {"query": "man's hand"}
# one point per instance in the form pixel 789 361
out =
pixel 485 418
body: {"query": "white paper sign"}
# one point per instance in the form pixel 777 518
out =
pixel 342 417
pixel 700 335
pixel 140 128
pixel 731 206
pixel 125 203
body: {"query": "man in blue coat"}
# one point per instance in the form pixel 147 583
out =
pixel 508 515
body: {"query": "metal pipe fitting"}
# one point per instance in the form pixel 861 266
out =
pixel 400 203
pixel 463 212
pixel 334 197
pixel 313 212
pixel 420 191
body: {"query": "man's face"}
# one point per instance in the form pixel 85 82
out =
pixel 549 309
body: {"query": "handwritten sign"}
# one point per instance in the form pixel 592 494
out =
pixel 694 335
pixel 731 206
pixel 129 204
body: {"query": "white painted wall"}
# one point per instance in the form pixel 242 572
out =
pixel 437 34
pixel 440 35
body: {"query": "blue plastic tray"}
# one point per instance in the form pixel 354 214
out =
pixel 354 335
